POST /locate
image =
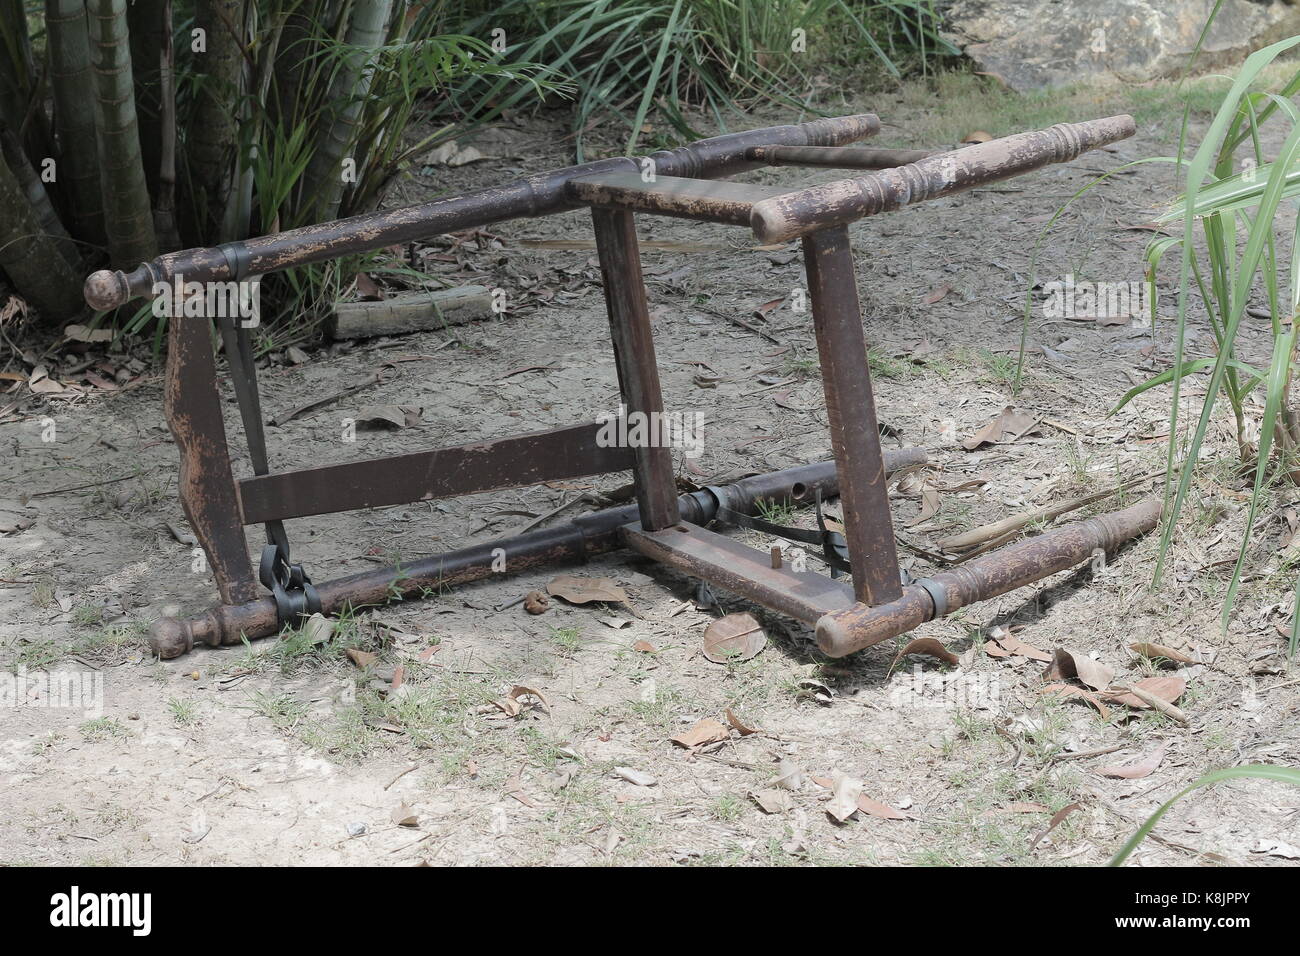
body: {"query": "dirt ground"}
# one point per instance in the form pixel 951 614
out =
pixel 285 752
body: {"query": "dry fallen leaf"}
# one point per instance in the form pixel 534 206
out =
pixel 519 690
pixel 1055 822
pixel 706 731
pixel 637 777
pixel 773 800
pixel 578 590
pixel 1168 689
pixel 734 638
pixel 929 646
pixel 362 659
pixel 513 787
pixel 845 792
pixel 1002 643
pixel 877 809
pixel 1065 690
pixel 1138 768
pixel 404 816
pixel 936 294
pixel 1066 664
pixel 398 416
pixel 741 727
pixel 1009 425
pixel 1160 651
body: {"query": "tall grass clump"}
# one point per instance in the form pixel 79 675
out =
pixel 1228 251
pixel 714 57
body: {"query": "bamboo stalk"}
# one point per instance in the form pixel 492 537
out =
pixel 212 130
pixel 323 184
pixel 128 219
pixel 74 115
pixel 29 257
pixel 37 197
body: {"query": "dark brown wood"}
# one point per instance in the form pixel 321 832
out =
pixel 634 355
pixel 570 452
pixel 206 485
pixel 838 157
pixel 538 195
pixel 798 213
pixel 804 595
pixel 851 412
pixel 576 540
pixel 701 199
pixel 852 629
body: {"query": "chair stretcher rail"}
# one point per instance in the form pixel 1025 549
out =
pixel 797 213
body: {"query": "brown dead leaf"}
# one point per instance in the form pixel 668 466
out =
pixel 578 590
pixel 1055 822
pixel 1009 425
pixel 362 659
pixel 773 800
pixel 734 638
pixel 404 816
pixel 397 416
pixel 1158 651
pixel 740 726
pixel 929 646
pixel 1065 690
pixel 1002 643
pixel 934 295
pixel 706 731
pixel 845 792
pixel 507 705
pixel 368 288
pixel 877 809
pixel 1066 664
pixel 519 690
pixel 1168 689
pixel 1138 768
pixel 514 788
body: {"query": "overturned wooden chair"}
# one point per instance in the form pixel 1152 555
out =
pixel 663 525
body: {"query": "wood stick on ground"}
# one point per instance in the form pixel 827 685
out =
pixel 416 312
pixel 1015 522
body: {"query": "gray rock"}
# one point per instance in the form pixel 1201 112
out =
pixel 1040 43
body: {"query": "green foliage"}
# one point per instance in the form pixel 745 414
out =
pixel 1257 771
pixel 627 56
pixel 1236 215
